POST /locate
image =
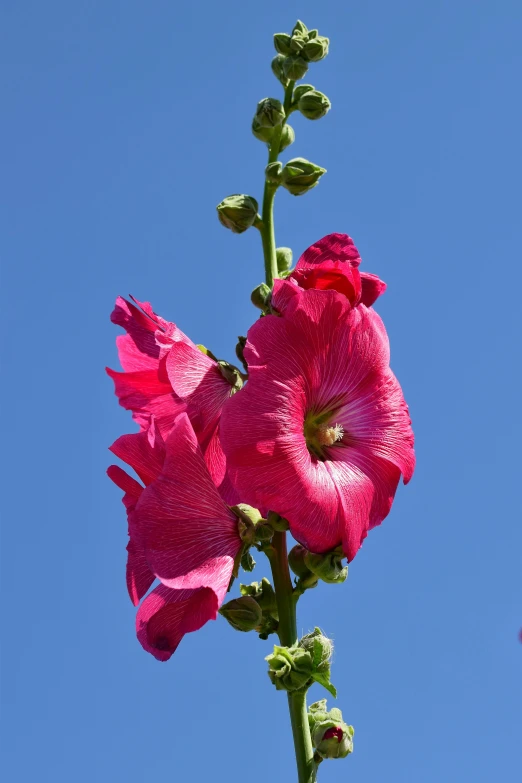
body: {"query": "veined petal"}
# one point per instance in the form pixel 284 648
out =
pixel 166 615
pixel 372 287
pixel 189 535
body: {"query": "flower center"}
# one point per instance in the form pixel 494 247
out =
pixel 319 432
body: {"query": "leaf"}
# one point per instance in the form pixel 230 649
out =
pixel 323 678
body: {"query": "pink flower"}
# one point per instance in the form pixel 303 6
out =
pixel 321 432
pixel 332 263
pixel 165 374
pixel 181 532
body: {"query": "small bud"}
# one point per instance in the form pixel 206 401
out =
pixel 260 297
pixel 277 69
pixel 313 105
pixel 273 172
pixel 270 113
pixel 301 90
pixel 290 668
pixel 243 614
pixel 328 566
pixel 317 713
pixel 299 176
pixel 282 43
pixel 316 49
pixel 297 43
pixel 300 29
pixel 284 258
pixel 240 347
pixel 264 533
pixel 261 133
pixel 277 522
pixel 287 137
pixel 296 561
pixel 333 739
pixel 319 647
pixel 294 67
pixel 238 212
pixel 264 594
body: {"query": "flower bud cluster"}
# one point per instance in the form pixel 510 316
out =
pixel 296 51
pixel 296 667
pixel 310 567
pixel 332 738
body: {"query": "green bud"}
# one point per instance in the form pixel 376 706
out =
pixel 320 649
pixel 297 43
pixel 287 137
pixel 333 739
pixel 301 90
pixel 300 29
pixel 260 297
pixel 273 172
pixel 312 34
pixel 299 176
pixel 317 712
pixel 268 626
pixel 296 561
pixel 240 347
pixel 284 257
pixel 282 43
pixel 270 113
pixel 313 105
pixel 328 566
pixel 290 668
pixel 261 133
pixel 277 69
pixel 264 594
pixel 277 522
pixel 264 533
pixel 243 614
pixel 316 49
pixel 294 67
pixel 237 212
pixel 230 374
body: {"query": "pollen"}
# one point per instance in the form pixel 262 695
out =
pixel 328 435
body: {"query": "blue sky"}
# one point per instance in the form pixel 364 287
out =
pixel 124 123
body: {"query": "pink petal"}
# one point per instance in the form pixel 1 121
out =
pixel 189 535
pixel 372 288
pixel 166 615
pixel 197 381
pixel 143 453
pixel 333 247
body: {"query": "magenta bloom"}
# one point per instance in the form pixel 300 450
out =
pixel 332 263
pixel 181 532
pixel 321 432
pixel 165 373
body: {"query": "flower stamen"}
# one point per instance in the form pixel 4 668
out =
pixel 327 435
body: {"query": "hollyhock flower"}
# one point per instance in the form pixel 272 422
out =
pixel 332 263
pixel 181 532
pixel 165 373
pixel 320 433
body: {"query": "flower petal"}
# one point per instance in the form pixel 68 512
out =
pixel 333 247
pixel 372 288
pixel 166 615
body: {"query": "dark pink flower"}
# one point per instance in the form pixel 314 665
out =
pixel 180 531
pixel 321 432
pixel 165 374
pixel 332 263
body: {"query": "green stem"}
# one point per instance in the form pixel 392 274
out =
pixel 267 216
pixel 287 631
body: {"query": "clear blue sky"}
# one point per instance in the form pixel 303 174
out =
pixel 123 124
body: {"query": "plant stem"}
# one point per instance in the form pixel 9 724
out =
pixel 287 631
pixel 267 217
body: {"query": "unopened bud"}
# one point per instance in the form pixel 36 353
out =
pixel 264 594
pixel 296 561
pixel 284 258
pixel 260 297
pixel 243 614
pixel 238 212
pixel 333 739
pixel 313 105
pixel 320 648
pixel 277 69
pixel 273 172
pixel 270 113
pixel 300 29
pixel 328 566
pixel 316 49
pixel 287 137
pixel 282 43
pixel 299 176
pixel 294 67
pixel 261 133
pixel 290 668
pixel 301 90
pixel 275 521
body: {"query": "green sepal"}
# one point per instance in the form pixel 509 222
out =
pixel 301 90
pixel 316 49
pixel 287 137
pixel 243 614
pixel 294 67
pixel 240 347
pixel 313 105
pixel 260 297
pixel 278 70
pixel 328 566
pixel 290 668
pixel 237 212
pixel 261 133
pixel 300 175
pixel 247 561
pixel 273 172
pixel 282 43
pixel 270 113
pixel 284 257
